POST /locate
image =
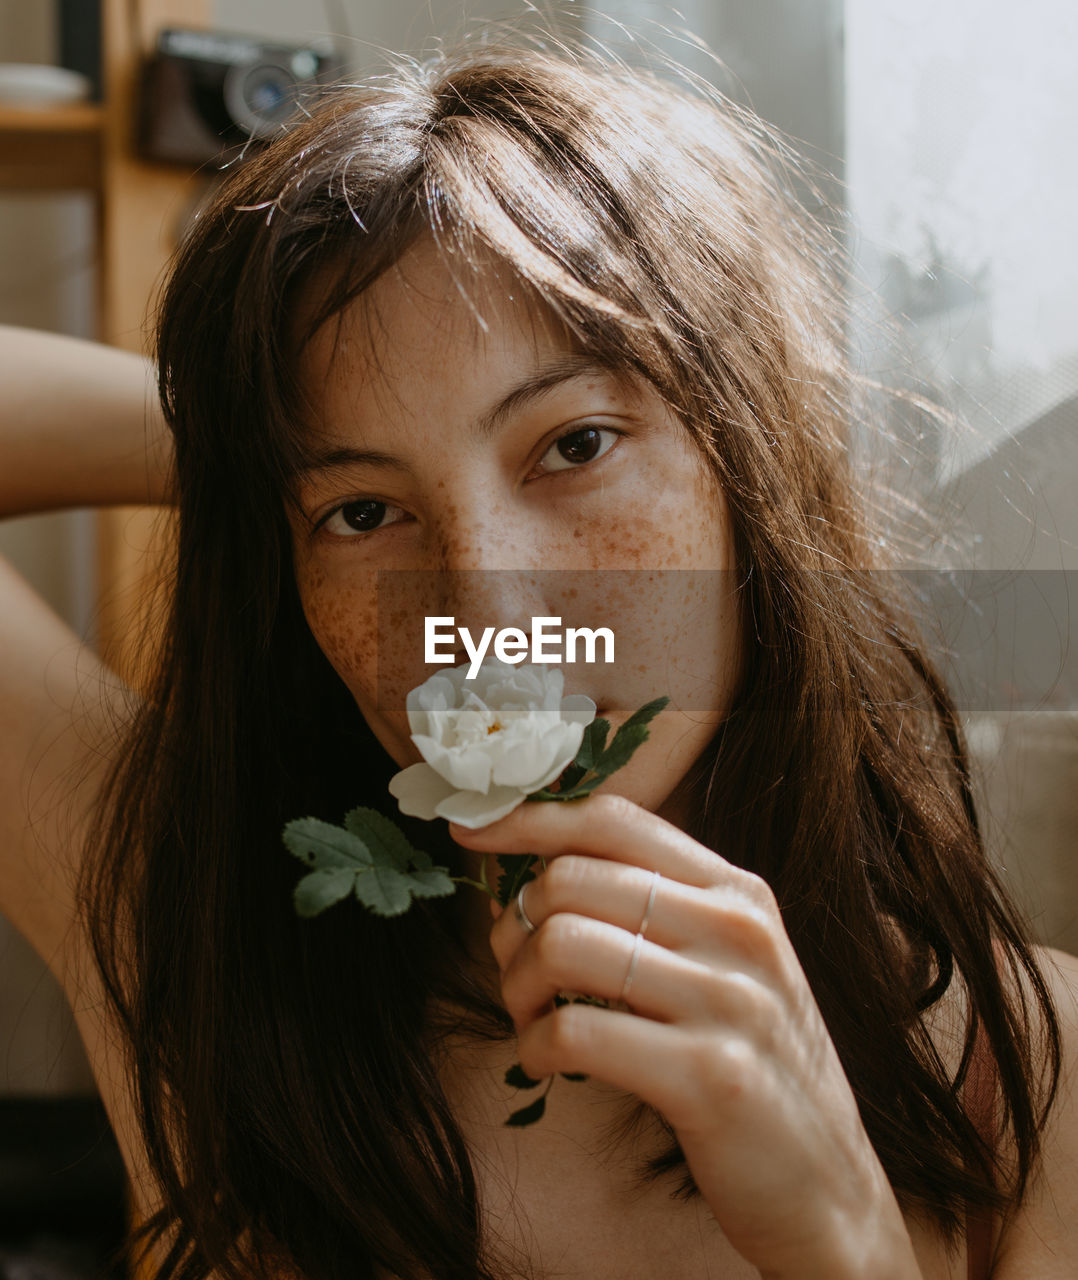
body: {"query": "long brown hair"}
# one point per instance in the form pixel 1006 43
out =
pixel 287 1101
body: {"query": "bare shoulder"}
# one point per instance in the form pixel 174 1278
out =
pixel 1041 1238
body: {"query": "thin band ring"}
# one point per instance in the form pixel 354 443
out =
pixel 521 914
pixel 638 940
pixel 655 878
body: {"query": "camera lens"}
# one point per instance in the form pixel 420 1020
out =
pixel 260 98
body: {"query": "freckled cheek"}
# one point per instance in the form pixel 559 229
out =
pixel 674 606
pixel 342 614
pixel 343 620
pixel 675 521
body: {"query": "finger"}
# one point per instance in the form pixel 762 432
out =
pixel 629 897
pixel 721 925
pixel 610 827
pixel 653 1060
pixel 576 953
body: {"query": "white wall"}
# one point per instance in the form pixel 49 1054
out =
pixel 962 122
pixel 369 28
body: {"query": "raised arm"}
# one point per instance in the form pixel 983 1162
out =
pixel 79 426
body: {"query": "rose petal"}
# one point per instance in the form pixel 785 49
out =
pixel 435 694
pixel 467 768
pixel 578 708
pixel 574 734
pixel 553 687
pixel 492 672
pixel 419 790
pixel 521 765
pixel 473 810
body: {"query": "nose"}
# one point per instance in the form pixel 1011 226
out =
pixel 493 565
pixel 479 531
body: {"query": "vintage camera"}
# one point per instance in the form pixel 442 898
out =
pixel 209 95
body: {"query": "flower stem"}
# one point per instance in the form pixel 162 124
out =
pixel 476 884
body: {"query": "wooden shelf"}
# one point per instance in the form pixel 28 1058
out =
pixel 77 117
pixel 52 148
pixel 90 147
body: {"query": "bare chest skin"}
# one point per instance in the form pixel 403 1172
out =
pixel 565 1195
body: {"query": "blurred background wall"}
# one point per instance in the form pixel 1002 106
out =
pixel 948 131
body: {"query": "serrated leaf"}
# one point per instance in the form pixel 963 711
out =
pixel 646 714
pixel 528 1114
pixel 592 744
pixel 322 845
pixel 519 1079
pixel 388 844
pixel 569 777
pixel 620 751
pixel 432 883
pixel 385 890
pixel 322 889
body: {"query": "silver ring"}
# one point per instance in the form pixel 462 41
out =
pixel 521 914
pixel 638 939
pixel 655 878
pixel 638 942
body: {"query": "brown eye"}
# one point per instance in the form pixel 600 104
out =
pixel 364 515
pixel 579 447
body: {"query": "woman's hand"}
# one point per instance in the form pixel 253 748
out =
pixel 723 1035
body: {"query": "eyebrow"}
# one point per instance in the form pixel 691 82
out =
pixel 543 380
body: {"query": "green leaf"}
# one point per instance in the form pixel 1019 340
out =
pixel 592 744
pixel 569 777
pixel 645 715
pixel 529 1114
pixel 517 870
pixel 432 883
pixel 322 845
pixel 321 889
pixel 578 792
pixel 518 1079
pixel 388 844
pixel 385 890
pixel 620 751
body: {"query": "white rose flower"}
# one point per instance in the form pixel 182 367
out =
pixel 488 742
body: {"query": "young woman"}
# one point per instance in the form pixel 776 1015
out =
pixel 500 316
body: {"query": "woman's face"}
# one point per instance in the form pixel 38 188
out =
pixel 468 462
